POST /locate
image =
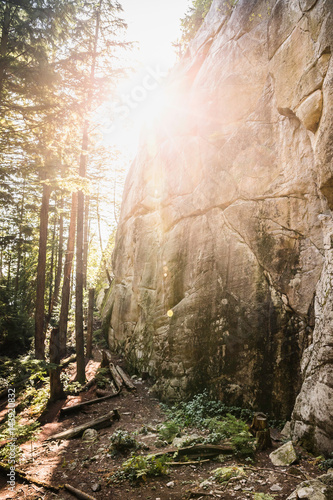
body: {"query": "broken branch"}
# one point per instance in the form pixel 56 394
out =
pixel 126 379
pixel 78 407
pixel 98 423
pixel 78 493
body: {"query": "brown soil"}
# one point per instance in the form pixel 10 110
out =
pixel 85 465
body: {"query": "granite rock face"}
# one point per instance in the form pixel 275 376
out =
pixel 312 421
pixel 220 264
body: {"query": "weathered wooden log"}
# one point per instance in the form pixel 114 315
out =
pixel 259 428
pixel 78 493
pixel 100 393
pixel 126 379
pixel 107 361
pixel 68 361
pixel 98 423
pixel 88 384
pixel 194 462
pixel 199 450
pixel 116 377
pixel 72 409
pixel 200 494
pixel 259 422
pixel 24 476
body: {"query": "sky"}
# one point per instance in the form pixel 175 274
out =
pixel 154 25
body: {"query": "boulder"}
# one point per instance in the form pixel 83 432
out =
pixel 320 488
pixel 285 455
pixel 286 431
pixel 89 435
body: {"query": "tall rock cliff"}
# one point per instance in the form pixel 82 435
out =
pixel 223 265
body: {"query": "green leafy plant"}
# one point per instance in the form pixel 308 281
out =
pixel 327 463
pixel 122 441
pixel 140 467
pixel 168 431
pixel 16 326
pixel 14 370
pixel 102 377
pixel 35 399
pixel 100 339
pixel 74 388
pixel 233 429
pixel 221 421
pixel 192 21
pixel 262 496
pixel 21 433
pixel 193 413
pixel 223 474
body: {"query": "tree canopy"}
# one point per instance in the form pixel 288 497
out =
pixel 193 20
pixel 58 63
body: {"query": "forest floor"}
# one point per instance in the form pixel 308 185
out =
pixel 88 466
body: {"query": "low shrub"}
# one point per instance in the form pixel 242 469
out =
pixel 168 431
pixel 122 441
pixel 139 467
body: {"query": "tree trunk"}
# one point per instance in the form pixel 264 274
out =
pixel 90 322
pixel 51 270
pixel 79 337
pixel 1 263
pixel 259 428
pixel 66 287
pixel 57 279
pixel 19 244
pixel 86 241
pixel 56 389
pixel 41 270
pixel 3 45
pixel 9 265
pixel 80 216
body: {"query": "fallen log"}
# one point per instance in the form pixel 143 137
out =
pixel 25 477
pixel 78 493
pixel 98 423
pixel 107 361
pixel 116 377
pixel 126 379
pixel 78 407
pixel 200 494
pixel 199 450
pixel 68 361
pixel 100 393
pixel 193 462
pixel 88 385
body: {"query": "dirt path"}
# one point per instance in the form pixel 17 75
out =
pixel 87 466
